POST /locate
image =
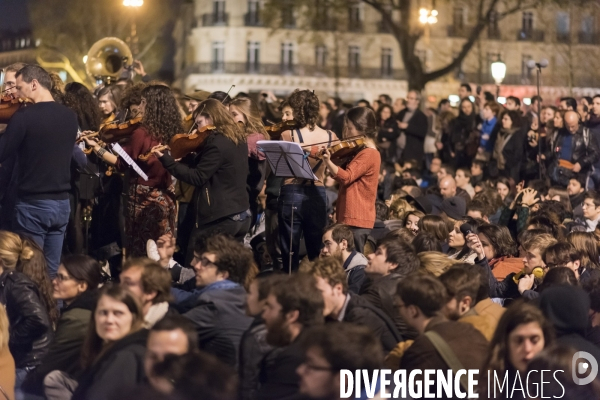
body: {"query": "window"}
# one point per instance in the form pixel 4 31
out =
pixel 321 57
pixel 355 19
pixel 253 60
pixel 562 26
pixel 287 57
pixel 458 18
pixel 354 59
pixel 525 70
pixel 253 14
pixel 219 10
pixel 527 22
pixel 587 24
pixel 287 15
pixel 493 30
pixel 218 56
pixel 459 73
pixel 386 63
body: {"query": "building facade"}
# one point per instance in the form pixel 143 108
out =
pixel 16 46
pixel 224 42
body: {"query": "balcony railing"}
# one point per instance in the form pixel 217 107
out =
pixel 215 19
pixel 563 37
pixel 589 38
pixel 296 70
pixel 531 35
pixel 252 19
pixel 355 26
pixel 383 27
pixel 323 24
pixel 459 31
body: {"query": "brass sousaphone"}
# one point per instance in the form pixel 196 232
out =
pixel 107 59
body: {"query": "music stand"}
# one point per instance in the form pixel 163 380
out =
pixel 287 160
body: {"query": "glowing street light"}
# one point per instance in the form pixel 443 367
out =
pixel 427 16
pixel 133 41
pixel 133 3
pixel 498 73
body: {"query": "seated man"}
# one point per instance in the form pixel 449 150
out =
pixel 338 242
pixel 151 284
pixel 219 314
pixel 342 306
pixel 420 299
pixel 294 304
pixel 332 348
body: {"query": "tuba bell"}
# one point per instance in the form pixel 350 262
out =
pixel 107 59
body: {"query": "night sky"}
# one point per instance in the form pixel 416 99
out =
pixel 13 15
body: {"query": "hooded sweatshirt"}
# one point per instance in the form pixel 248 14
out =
pixel 566 307
pixel 355 270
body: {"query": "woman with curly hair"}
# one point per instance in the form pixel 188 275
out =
pixel 218 172
pixel 151 206
pixel 307 198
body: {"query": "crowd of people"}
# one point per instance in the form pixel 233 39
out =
pixel 447 240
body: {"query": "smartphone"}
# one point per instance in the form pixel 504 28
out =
pixel 478 90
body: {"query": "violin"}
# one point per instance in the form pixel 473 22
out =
pixel 183 144
pixel 276 130
pixel 114 131
pixel 344 151
pixel 9 105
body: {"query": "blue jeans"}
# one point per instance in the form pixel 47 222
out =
pixel 45 222
pixel 310 218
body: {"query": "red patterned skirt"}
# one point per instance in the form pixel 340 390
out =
pixel 150 214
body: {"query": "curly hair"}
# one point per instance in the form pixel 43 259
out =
pixel 305 105
pixel 251 114
pixel 329 269
pixel 222 119
pixel 79 99
pixel 231 257
pixel 132 96
pixel 161 118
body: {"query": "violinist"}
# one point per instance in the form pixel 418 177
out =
pixel 109 98
pixel 246 113
pixel 307 197
pixel 218 173
pixel 151 205
pixel 359 178
pixel 194 98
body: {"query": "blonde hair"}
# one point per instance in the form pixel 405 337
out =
pixel 399 209
pixel 13 250
pixel 539 242
pixel 252 115
pixel 435 263
pixel 3 328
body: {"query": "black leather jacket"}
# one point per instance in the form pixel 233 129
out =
pixel 30 328
pixel 585 155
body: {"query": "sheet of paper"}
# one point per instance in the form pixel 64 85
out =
pixel 119 150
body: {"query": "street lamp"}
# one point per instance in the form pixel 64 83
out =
pixel 428 17
pixel 498 73
pixel 133 40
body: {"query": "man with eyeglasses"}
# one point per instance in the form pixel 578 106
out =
pixel 591 210
pixel 218 312
pixel 332 348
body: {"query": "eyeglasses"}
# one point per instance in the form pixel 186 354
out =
pixel 204 261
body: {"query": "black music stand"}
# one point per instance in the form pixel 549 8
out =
pixel 287 160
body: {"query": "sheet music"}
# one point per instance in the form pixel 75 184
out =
pixel 119 150
pixel 287 159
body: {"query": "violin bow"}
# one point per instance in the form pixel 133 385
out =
pixel 227 94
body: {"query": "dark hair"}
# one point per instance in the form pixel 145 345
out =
pixel 594 195
pixel 381 210
pixel 231 256
pixel 402 234
pixel 198 372
pixel 558 276
pixel 494 106
pixel 480 163
pixel 442 102
pixel 536 98
pixel 450 170
pixel 514 117
pixel 174 322
pixel 221 97
pixel 94 346
pixel 299 293
pixel 400 253
pixel 154 278
pixel 514 99
pixel 425 241
pixel 79 99
pixel 571 102
pixel 386 97
pixel 435 225
pixel 465 171
pixel 132 96
pixel 305 105
pixel 489 96
pixel 363 120
pixel 114 94
pixel 83 269
pixel 461 281
pixel 478 204
pixel 341 232
pixel 162 116
pixel 380 111
pixel 265 281
pixel 587 246
pixel 467 86
pixel 337 101
pixel 346 346
pixel 423 291
pixel 500 239
pixel 31 71
pixel 562 253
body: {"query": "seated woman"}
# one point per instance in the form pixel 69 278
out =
pixel 459 250
pixel 30 325
pixel 113 352
pixel 500 250
pixel 76 284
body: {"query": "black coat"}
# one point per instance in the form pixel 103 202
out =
pixel 120 368
pixel 219 174
pixel 360 312
pixel 30 327
pixel 64 353
pixel 415 136
pixel 253 349
pixel 585 155
pixel 380 292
